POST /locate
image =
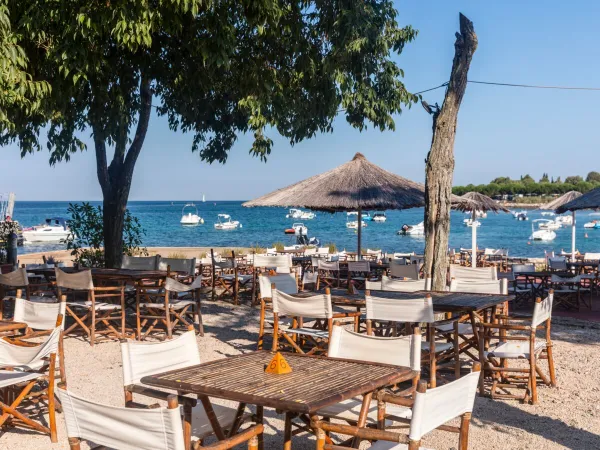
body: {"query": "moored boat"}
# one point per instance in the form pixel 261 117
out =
pixel 55 229
pixel 190 218
pixel 412 230
pixel 225 223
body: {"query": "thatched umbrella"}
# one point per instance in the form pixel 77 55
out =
pixel 358 185
pixel 475 202
pixel 564 203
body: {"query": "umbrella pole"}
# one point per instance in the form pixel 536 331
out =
pixel 358 252
pixel 473 239
pixel 573 238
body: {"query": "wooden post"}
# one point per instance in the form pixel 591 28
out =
pixel 440 160
pixel 473 239
pixel 358 252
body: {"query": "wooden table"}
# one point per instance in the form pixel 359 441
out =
pixel 315 382
pixel 107 274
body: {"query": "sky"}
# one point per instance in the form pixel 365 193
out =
pixel 501 131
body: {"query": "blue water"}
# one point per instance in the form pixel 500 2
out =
pixel 264 226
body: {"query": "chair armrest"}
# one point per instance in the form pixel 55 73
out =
pixel 234 440
pixel 347 314
pixel 161 395
pixel 395 399
pixel 500 326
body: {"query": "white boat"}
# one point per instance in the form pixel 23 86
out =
pixel 413 230
pixel 541 234
pixel 379 217
pixel 203 198
pixel 54 230
pixel 520 215
pixel 299 214
pixel 225 223
pixel 366 216
pixel 353 224
pixel 298 229
pixel 479 214
pixel 564 220
pixel 472 223
pixel 592 224
pixel 548 213
pixel 551 225
pixel 190 218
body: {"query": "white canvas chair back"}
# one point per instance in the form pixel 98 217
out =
pixel 388 284
pixel 271 251
pixel 473 273
pixel 185 265
pixel 81 281
pixel 290 247
pixel 517 268
pixel 399 351
pixel 310 251
pixel 479 286
pixel 323 251
pixel 373 285
pixel 29 357
pixel 329 265
pixel 359 266
pixel 282 263
pixel 16 278
pixel 142 359
pixel 38 316
pixel 410 271
pixel 489 251
pixel 122 428
pixel 316 306
pixel 542 311
pixel 385 307
pixel 172 285
pixel 442 404
pixel 397 261
pixel 285 282
pixel 557 263
pixel 591 256
pixel 140 262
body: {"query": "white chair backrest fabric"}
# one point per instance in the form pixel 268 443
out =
pixel 542 311
pixel 373 285
pixel 473 273
pixel 389 284
pixel 273 262
pixel 122 428
pixel 385 307
pixel 185 265
pixel 142 359
pixel 410 271
pixel 310 251
pixel 140 262
pixel 329 265
pixel 317 306
pixel 399 351
pixel 591 256
pixel 12 355
pixel 16 278
pixel 359 266
pixel 285 282
pixel 291 247
pixel 479 286
pixel 271 251
pixel 81 281
pixel 172 285
pixel 324 251
pixel 518 268
pixel 442 404
pixel 398 261
pixel 489 251
pixel 38 316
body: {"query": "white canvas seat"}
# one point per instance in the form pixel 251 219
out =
pixel 514 350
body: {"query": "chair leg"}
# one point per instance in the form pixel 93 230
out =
pixel 93 328
pixel 75 443
pixel 533 380
pixel 551 366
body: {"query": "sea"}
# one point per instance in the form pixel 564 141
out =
pixel 265 226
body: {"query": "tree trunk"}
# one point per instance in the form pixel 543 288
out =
pixel 440 160
pixel 115 179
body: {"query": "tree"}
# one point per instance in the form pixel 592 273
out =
pixel 439 165
pixel 502 180
pixel 558 180
pixel 573 179
pixel 544 178
pixel 215 69
pixel 593 177
pixel 527 179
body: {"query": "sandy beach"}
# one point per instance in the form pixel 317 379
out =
pixel 566 417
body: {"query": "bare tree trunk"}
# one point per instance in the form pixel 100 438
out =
pixel 115 179
pixel 440 160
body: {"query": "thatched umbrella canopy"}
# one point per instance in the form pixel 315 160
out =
pixel 590 200
pixel 562 200
pixel 356 185
pixel 474 202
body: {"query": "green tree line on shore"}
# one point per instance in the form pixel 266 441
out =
pixel 526 185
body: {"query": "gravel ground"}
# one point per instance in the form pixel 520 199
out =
pixel 566 417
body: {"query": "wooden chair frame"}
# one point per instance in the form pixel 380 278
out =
pixel 230 286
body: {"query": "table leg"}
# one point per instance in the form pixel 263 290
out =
pixel 212 417
pixel 287 432
pixel 362 417
pixel 259 419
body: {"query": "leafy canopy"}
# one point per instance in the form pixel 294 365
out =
pixel 215 69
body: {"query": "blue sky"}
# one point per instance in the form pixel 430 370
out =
pixel 501 131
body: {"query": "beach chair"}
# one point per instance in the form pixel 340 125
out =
pixel 323 252
pixel 264 264
pixel 181 307
pixel 140 262
pixel 410 285
pixel 518 289
pixel 28 376
pixel 94 318
pixel 299 336
pixel 41 318
pixel 287 283
pixel 182 269
pixel 433 409
pixel 328 274
pixel 409 271
pixel 557 264
pixel 512 338
pixel 142 359
pixel 479 286
pixel 358 273
pixel 473 273
pixel 384 313
pixel 17 282
pixel 567 291
pixel 226 276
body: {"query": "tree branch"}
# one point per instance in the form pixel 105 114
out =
pixel 142 126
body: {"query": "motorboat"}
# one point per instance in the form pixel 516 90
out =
pixel 592 224
pixel 564 220
pixel 478 214
pixel 550 225
pixel 224 222
pixel 297 229
pixel 472 223
pixel 412 230
pixel 379 217
pixel 353 224
pixel 299 214
pixel 548 213
pixel 54 230
pixel 366 216
pixel 190 218
pixel 541 234
pixel 520 215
